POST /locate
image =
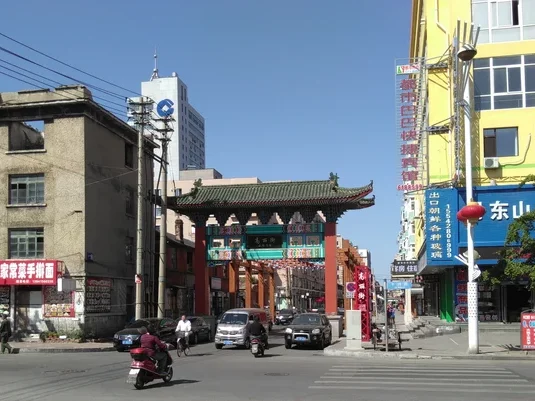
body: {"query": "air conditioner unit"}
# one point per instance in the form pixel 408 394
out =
pixel 491 162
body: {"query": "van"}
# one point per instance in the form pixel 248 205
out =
pixel 233 326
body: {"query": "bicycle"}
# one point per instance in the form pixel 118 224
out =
pixel 181 346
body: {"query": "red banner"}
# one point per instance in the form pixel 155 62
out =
pixel 527 321
pixel 28 272
pixel 363 299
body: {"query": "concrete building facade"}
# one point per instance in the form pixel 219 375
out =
pixel 69 174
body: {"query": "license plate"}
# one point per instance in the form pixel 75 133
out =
pixel 127 342
pixel 300 338
pixel 227 342
pixel 255 348
pixel 133 371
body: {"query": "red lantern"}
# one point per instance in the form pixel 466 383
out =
pixel 472 212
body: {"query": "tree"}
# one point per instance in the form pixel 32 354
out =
pixel 517 258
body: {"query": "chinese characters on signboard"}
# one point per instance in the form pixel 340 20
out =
pixel 362 299
pixel 98 295
pixel 528 331
pixel 407 110
pixel 28 272
pixel 441 225
pixel 264 241
pixel 5 295
pixel 404 267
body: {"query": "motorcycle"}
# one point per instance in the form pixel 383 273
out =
pixel 257 347
pixel 143 368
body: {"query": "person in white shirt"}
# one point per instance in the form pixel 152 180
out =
pixel 184 326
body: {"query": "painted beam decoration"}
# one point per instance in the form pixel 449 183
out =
pixel 265 242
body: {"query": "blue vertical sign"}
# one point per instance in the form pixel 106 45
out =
pixel 441 226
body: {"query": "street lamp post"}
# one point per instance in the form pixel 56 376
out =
pixel 471 213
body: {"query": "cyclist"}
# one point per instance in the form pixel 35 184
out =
pixel 184 327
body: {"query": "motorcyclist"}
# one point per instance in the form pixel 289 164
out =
pixel 257 329
pixel 155 348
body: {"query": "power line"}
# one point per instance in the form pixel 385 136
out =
pixel 68 65
pixel 51 80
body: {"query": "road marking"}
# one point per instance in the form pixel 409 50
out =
pixel 453 341
pixel 411 389
pixel 434 379
pixel 417 383
pixel 420 369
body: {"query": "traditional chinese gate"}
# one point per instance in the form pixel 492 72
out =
pixel 263 201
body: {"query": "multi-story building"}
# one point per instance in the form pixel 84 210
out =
pixel 187 141
pixel 69 169
pixel 501 104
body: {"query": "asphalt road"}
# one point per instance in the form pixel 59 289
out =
pixel 289 375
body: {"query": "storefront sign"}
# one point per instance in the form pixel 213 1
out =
pixel 28 272
pixel 460 294
pixel 409 116
pixel 98 295
pixel 504 204
pixel 527 321
pixel 5 295
pixel 441 226
pixel 404 267
pixel 57 304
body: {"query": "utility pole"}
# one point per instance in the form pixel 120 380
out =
pixel 139 112
pixel 162 265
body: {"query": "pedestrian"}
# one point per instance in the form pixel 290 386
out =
pixel 5 333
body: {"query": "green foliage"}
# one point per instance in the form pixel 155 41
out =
pixel 517 258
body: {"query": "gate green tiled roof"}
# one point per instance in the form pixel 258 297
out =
pixel 273 194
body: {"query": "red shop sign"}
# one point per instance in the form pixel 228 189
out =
pixel 28 272
pixel 527 330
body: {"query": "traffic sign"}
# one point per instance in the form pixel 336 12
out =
pixel 351 287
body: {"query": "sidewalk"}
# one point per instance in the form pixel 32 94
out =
pixel 59 347
pixel 499 346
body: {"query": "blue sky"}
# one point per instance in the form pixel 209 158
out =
pixel 289 89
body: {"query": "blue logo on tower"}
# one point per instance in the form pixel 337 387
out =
pixel 165 108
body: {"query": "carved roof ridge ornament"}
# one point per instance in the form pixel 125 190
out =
pixel 196 185
pixel 333 178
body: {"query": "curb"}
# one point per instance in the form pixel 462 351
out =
pixel 61 350
pixel 390 355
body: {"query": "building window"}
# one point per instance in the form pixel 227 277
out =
pixel 129 249
pixel 158 211
pixel 26 243
pixel 178 191
pixel 504 20
pixel 27 189
pixel 27 136
pixel 500 142
pixel 129 201
pixel 128 155
pixel 504 82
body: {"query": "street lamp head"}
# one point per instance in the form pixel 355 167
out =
pixel 467 52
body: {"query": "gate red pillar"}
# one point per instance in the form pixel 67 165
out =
pixel 331 282
pixel 233 283
pixel 201 272
pixel 261 287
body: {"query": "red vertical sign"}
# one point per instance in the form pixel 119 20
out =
pixel 527 330
pixel 363 299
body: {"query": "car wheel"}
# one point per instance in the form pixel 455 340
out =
pixel 219 346
pixel 247 344
pixel 322 343
pixel 196 338
pixel 210 336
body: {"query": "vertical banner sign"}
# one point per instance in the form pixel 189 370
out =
pixel 441 226
pixel 527 320
pixel 409 121
pixel 363 298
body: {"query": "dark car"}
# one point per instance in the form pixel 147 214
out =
pixel 201 331
pixel 309 329
pixel 128 337
pixel 285 316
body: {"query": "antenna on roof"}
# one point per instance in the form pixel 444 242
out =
pixel 155 70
